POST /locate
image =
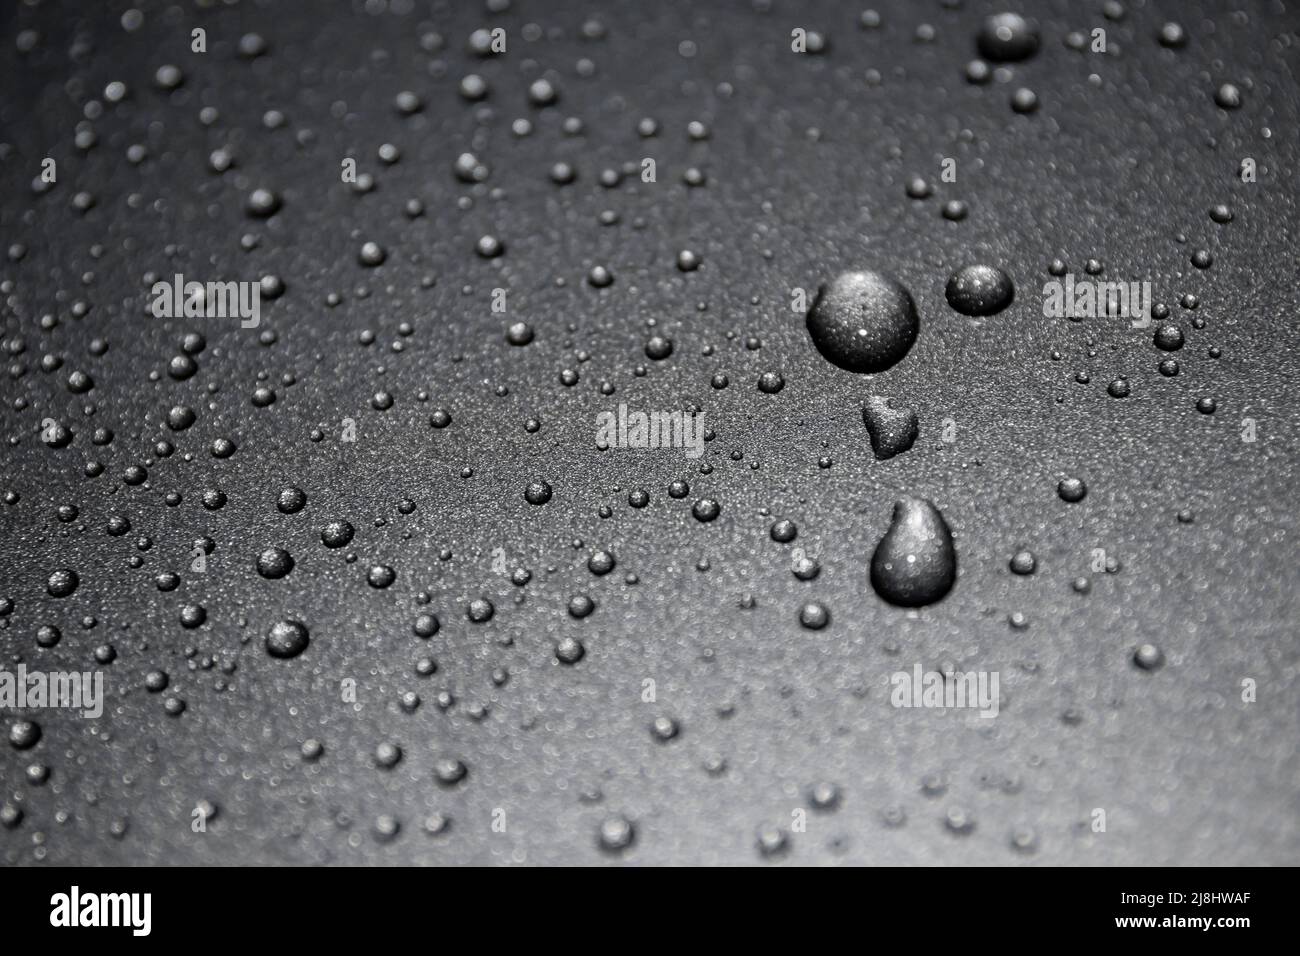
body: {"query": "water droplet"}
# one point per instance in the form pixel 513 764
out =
pixel 274 563
pixel 449 771
pixel 287 638
pixel 538 492
pixel 580 606
pixel 569 650
pixel 1024 100
pixel 915 562
pixel 380 576
pixel 784 531
pixel 1168 338
pixel 24 734
pixel 291 500
pixel 664 729
pixel 959 821
pixel 489 247
pixel 814 616
pixel 262 203
pixel 706 509
pixel 863 321
pixel 1024 839
pixel 542 92
pixel 1172 35
pixel 892 430
pixel 1072 489
pixel 979 290
pixel 62 583
pixel 600 563
pixel 387 755
pixel 1023 562
pixel 616 834
pixel 1149 657
pixel 771 840
pixel 806 568
pixel 1007 37
pixel 519 333
pixel 658 347
pixel 337 534
pixel 1228 97
pixel 824 796
pixel 371 254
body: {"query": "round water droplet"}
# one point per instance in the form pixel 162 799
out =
pixel 287 638
pixel 274 563
pixel 519 333
pixel 580 606
pixel 784 531
pixel 979 290
pixel 291 500
pixel 658 347
pixel 371 254
pixel 1023 562
pixel 62 583
pixel 380 576
pixel 616 834
pixel 337 534
pixel 1149 657
pixel 1072 489
pixel 863 321
pixel 814 616
pixel 1168 338
pixel 569 650
pixel 1228 96
pixel 600 562
pixel 706 509
pixel 664 729
pixel 1007 37
pixel 24 734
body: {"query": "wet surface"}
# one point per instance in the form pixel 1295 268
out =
pixel 364 580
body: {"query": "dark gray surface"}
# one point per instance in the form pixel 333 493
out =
pixel 806 166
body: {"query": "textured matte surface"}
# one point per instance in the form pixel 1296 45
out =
pixel 806 162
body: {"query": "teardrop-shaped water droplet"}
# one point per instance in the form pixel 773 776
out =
pixel 915 562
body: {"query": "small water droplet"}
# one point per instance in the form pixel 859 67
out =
pixel 1007 37
pixel 1072 489
pixel 979 290
pixel 287 638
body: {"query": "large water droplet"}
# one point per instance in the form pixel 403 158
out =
pixel 863 321
pixel 915 563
